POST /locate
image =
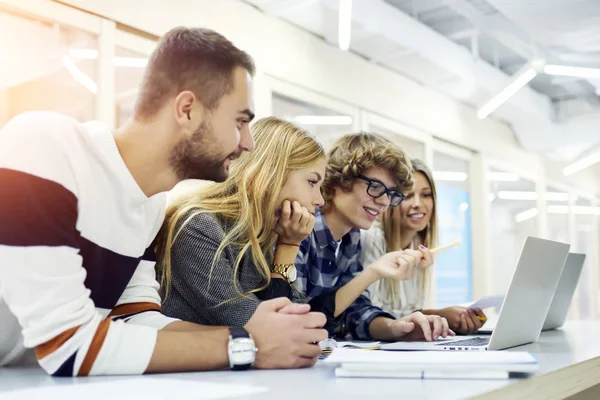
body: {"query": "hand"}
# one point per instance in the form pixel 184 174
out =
pixel 401 265
pixel 285 334
pixel 294 223
pixel 463 320
pixel 417 326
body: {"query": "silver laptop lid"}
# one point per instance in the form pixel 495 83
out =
pixel 559 308
pixel 530 293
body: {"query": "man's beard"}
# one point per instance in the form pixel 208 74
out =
pixel 200 157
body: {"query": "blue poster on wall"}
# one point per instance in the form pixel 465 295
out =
pixel 453 267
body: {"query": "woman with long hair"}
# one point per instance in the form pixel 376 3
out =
pixel 411 224
pixel 227 246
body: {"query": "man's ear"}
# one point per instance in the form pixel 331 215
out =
pixel 188 109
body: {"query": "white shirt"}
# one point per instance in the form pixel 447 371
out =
pixel 75 233
pixel 409 292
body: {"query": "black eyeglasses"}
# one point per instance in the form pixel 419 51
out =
pixel 377 189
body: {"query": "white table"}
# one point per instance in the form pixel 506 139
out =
pixel 574 343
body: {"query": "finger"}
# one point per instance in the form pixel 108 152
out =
pixel 411 260
pixel 286 211
pixel 305 217
pixel 296 212
pixel 480 314
pixel 295 309
pixel 464 328
pixel 314 320
pixel 445 327
pixel 438 327
pixel 427 256
pixel 420 320
pixel 310 224
pixel 469 321
pixel 476 322
pixel 306 362
pixel 276 304
pixel 311 336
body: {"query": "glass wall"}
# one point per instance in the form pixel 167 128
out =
pixel 129 70
pixel 453 267
pixel 513 214
pixel 46 66
pixel 557 214
pixel 412 148
pixel 584 238
pixel 325 124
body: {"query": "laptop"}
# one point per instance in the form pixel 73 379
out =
pixel 525 306
pixel 559 308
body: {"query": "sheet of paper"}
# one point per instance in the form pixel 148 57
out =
pixel 488 302
pixel 138 388
pixel 429 357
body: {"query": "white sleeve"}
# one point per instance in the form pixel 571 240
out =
pixel 41 272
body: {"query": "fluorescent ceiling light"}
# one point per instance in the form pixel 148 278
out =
pixel 450 176
pixel 503 177
pixel 517 195
pixel 91 54
pixel 520 79
pixel 579 210
pixel 323 120
pixel 527 214
pixel 582 164
pixel 579 72
pixel 79 75
pixel 345 24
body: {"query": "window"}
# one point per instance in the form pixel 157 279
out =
pixel 325 124
pixel 50 67
pixel 513 217
pixel 453 268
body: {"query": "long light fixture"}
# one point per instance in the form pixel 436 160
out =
pixel 582 164
pixel 323 120
pixel 450 176
pixel 579 72
pixel 527 214
pixel 521 78
pixel 344 24
pixel 579 210
pixel 519 195
pixel 92 54
pixel 80 76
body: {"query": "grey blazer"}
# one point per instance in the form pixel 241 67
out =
pixel 191 298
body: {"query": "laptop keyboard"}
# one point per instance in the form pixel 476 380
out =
pixel 478 341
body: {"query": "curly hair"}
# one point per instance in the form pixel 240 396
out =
pixel 354 153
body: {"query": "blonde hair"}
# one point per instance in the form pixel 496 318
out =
pixel 247 200
pixel 390 223
pixel 354 153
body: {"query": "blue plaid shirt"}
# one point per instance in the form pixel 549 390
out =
pixel 319 271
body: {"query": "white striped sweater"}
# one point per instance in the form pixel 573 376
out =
pixel 75 264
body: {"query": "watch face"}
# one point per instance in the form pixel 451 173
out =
pixel 241 351
pixel 291 274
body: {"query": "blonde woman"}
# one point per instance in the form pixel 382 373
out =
pixel 224 249
pixel 411 224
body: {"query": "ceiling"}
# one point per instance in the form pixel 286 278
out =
pixel 468 49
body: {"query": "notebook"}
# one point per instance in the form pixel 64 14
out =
pixel 328 345
pixel 431 365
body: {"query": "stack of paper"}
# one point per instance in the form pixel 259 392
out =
pixel 431 365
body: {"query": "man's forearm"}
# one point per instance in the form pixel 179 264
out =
pixel 189 350
pixel 183 326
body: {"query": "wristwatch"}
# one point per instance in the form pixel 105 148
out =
pixel 241 349
pixel 287 270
